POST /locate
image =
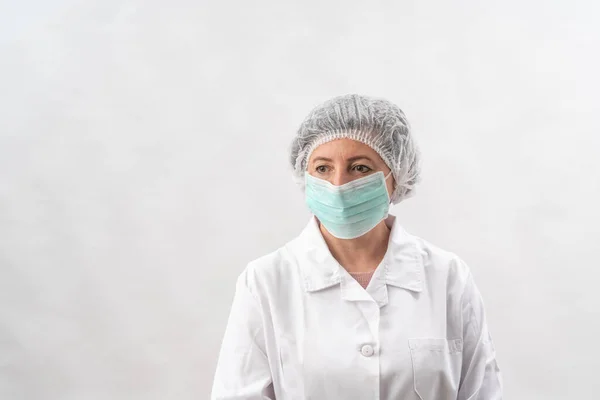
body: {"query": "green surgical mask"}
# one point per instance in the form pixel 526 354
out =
pixel 352 209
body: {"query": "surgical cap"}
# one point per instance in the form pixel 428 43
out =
pixel 375 122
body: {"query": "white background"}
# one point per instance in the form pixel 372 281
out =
pixel 143 163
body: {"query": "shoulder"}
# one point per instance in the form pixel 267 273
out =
pixel 448 274
pixel 442 264
pixel 275 270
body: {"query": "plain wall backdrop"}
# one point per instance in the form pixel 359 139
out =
pixel 143 163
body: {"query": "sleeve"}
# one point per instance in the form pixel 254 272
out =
pixel 243 371
pixel 480 377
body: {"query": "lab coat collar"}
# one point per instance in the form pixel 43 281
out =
pixel 402 265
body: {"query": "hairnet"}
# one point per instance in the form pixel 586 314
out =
pixel 377 123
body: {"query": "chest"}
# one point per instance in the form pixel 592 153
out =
pixel 327 346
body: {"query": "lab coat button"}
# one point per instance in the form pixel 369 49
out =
pixel 367 350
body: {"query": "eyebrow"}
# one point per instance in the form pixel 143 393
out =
pixel 351 159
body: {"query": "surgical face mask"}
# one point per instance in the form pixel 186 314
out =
pixel 350 210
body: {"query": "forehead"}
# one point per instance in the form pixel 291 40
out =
pixel 344 148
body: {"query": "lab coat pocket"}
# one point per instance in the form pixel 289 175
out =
pixel 436 367
pixel 290 368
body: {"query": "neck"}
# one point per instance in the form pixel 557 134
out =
pixel 361 254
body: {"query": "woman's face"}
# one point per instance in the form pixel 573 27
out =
pixel 343 160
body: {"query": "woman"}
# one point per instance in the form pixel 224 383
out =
pixel 355 307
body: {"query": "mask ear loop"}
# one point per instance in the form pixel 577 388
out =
pixel 385 179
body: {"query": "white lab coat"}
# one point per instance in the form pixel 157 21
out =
pixel 302 328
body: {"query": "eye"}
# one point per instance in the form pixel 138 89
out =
pixel 321 169
pixel 362 168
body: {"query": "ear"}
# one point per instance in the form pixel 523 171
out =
pixel 393 187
